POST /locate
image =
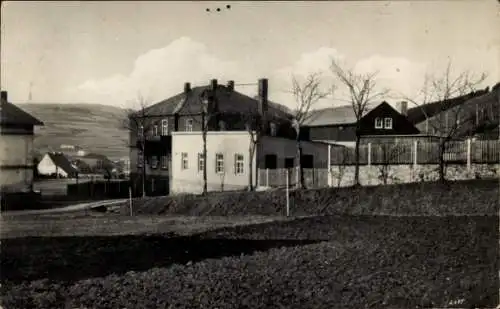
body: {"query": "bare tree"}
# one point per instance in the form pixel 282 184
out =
pixel 454 118
pixel 253 128
pixel 362 91
pixel 139 126
pixel 208 102
pixel 307 94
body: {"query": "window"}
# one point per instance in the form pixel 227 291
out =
pixel 189 125
pixel 219 163
pixel 201 162
pixel 140 159
pixel 222 125
pixel 388 123
pixel 164 127
pixel 164 162
pixel 273 129
pixel 307 161
pixel 155 130
pixel 378 123
pixel 238 164
pixel 289 162
pixel 154 162
pixel 184 160
pixel 140 132
pixel 271 161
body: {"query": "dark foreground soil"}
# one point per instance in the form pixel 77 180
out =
pixel 322 262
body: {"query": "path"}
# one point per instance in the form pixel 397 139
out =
pixel 71 208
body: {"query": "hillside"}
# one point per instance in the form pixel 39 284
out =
pixel 95 128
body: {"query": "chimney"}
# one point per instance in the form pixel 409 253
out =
pixel 403 108
pixel 4 96
pixel 230 85
pixel 187 87
pixel 213 84
pixel 262 96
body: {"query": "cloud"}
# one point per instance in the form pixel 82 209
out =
pixel 397 74
pixel 317 61
pixel 159 74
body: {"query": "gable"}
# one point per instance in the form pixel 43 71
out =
pixel 400 124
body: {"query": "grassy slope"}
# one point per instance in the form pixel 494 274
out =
pixel 96 128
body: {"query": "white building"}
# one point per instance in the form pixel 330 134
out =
pixel 228 159
pixel 16 147
pixel 56 164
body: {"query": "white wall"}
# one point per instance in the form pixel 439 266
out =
pixel 16 150
pixel 227 142
pixel 16 179
pixel 47 167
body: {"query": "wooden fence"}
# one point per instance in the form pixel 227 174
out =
pixel 466 152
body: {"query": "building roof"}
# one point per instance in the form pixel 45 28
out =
pixel 13 115
pixel 61 161
pixel 82 166
pixel 95 156
pixel 341 115
pixel 418 114
pixel 229 101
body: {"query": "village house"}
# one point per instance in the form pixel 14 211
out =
pixel 16 147
pixel 56 165
pixel 468 113
pixel 379 122
pixel 166 139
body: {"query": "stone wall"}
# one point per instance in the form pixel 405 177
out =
pixel 342 176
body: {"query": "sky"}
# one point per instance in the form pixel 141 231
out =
pixel 113 52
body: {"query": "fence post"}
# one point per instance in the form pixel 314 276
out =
pixel 468 154
pixel 369 159
pixel 415 153
pixel 328 164
pixel 267 177
pixel 130 200
pixel 287 194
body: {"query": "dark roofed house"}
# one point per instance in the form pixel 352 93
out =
pixel 339 124
pixel 57 164
pixel 16 146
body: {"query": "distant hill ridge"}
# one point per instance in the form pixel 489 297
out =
pixel 94 127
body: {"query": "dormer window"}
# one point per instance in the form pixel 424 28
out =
pixel 388 123
pixel 273 129
pixel 383 123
